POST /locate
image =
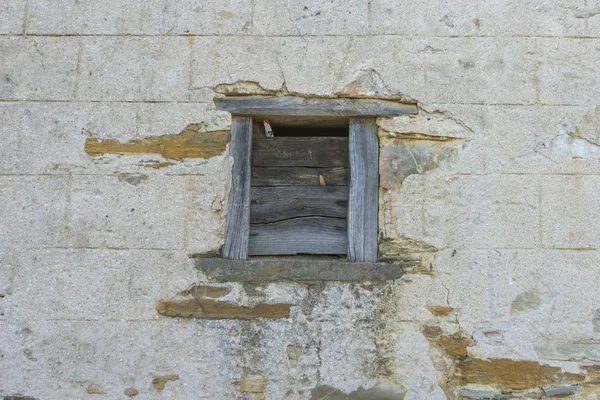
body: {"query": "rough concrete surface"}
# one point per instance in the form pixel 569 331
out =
pixel 492 192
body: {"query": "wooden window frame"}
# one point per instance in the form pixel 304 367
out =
pixel 247 113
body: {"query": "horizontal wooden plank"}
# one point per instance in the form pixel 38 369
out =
pixel 301 152
pixel 299 106
pixel 271 204
pixel 273 270
pixel 310 235
pixel 299 176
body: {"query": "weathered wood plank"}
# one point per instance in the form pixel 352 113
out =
pixel 221 270
pixel 238 214
pixel 364 183
pixel 271 204
pixel 310 235
pixel 299 106
pixel 299 176
pixel 300 152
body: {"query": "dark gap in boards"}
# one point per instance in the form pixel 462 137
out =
pixel 309 131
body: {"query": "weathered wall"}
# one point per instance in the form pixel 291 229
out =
pixel 494 187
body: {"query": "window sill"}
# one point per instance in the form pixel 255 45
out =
pixel 299 270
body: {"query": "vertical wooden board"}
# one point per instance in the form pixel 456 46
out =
pixel 238 209
pixel 364 185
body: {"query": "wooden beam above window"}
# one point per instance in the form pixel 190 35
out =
pixel 264 106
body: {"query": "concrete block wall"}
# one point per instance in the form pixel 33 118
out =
pixel 502 211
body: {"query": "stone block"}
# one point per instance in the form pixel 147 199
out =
pixel 182 17
pixel 560 350
pixel 310 17
pixel 8 266
pixel 485 18
pixel 38 68
pixel 49 137
pixel 134 69
pixel 118 355
pixel 568 207
pixel 41 137
pixel 448 70
pixel 523 139
pixel 93 284
pixel 116 212
pixel 405 75
pixel 346 348
pixel 306 65
pixel 112 17
pixel 205 222
pixel 34 209
pixel 77 284
pixel 238 59
pixel 479 70
pixel 567 72
pixel 11 16
pixel 472 212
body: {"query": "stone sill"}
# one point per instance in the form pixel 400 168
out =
pixel 299 270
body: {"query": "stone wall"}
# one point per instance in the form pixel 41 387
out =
pixel 114 172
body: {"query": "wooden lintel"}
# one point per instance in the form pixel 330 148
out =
pixel 300 106
pixel 300 270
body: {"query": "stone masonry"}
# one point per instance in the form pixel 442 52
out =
pixel 115 174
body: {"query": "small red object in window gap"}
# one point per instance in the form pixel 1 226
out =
pixel 268 129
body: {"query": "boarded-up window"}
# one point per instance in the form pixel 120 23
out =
pixel 299 191
pixel 313 188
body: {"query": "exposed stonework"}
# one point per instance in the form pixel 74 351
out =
pixel 454 346
pixel 293 354
pixel 369 84
pixel 440 311
pixel 95 389
pixel 200 291
pixel 381 391
pixel 241 88
pixel 252 383
pixel 510 374
pixel 159 381
pixel 131 392
pixel 213 309
pixel 193 142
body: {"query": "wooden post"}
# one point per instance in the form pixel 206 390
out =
pixel 364 187
pixel 238 209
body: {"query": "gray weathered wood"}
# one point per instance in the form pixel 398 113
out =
pixel 271 204
pixel 238 214
pixel 299 270
pixel 299 106
pixel 299 176
pixel 309 235
pixel 364 183
pixel 300 152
